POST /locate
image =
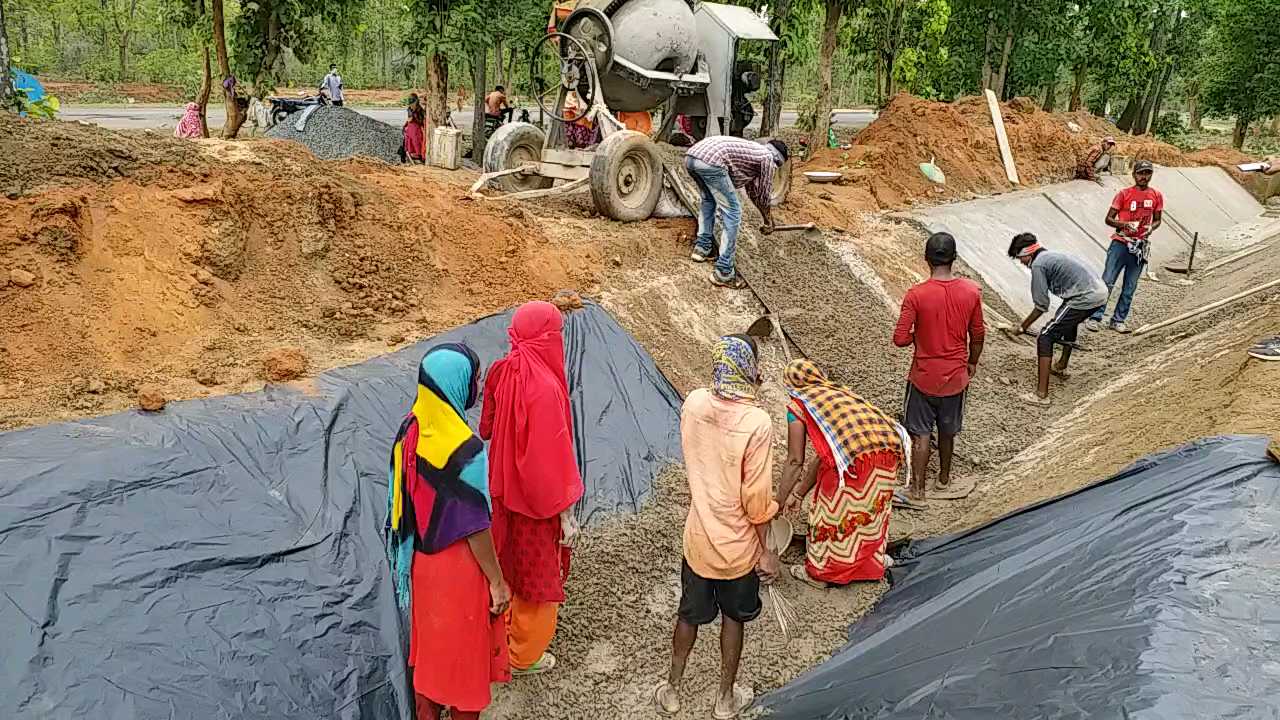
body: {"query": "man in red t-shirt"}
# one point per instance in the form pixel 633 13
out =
pixel 942 317
pixel 1135 214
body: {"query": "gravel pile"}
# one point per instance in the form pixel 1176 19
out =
pixel 334 133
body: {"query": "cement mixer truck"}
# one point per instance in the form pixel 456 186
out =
pixel 607 56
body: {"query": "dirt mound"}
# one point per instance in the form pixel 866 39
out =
pixel 882 168
pixel 39 154
pixel 185 283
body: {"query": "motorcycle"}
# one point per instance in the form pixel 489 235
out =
pixel 283 107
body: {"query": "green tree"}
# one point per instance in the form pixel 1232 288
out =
pixel 1243 66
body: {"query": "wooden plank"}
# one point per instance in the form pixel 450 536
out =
pixel 1206 308
pixel 1002 138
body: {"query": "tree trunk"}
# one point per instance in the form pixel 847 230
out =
pixel 1051 92
pixel 1152 114
pixel 437 90
pixel 1129 114
pixel 1077 87
pixel 998 82
pixel 1193 109
pixel 7 101
pixel 235 118
pixel 826 58
pixel 206 89
pixel 499 77
pixel 477 118
pixel 1241 131
pixel 1275 125
pixel 772 115
pixel 986 53
pixel 382 57
pixel 124 55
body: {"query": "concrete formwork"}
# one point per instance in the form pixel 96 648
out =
pixel 983 229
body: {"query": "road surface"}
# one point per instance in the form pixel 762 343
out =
pixel 140 117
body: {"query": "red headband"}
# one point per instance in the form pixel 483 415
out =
pixel 1029 250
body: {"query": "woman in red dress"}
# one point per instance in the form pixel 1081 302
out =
pixel 439 545
pixel 533 478
pixel 415 145
pixel 859 449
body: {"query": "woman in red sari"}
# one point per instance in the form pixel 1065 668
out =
pixel 859 449
pixel 533 479
pixel 415 145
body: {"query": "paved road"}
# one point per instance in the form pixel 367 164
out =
pixel 139 117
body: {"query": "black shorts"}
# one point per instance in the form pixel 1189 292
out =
pixel 924 412
pixel 337 103
pixel 1064 327
pixel 701 600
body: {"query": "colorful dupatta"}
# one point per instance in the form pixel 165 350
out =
pixel 733 370
pixel 437 491
pixel 850 425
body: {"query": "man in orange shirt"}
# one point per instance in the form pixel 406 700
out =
pixel 727 439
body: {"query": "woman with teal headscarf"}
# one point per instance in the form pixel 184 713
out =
pixel 439 544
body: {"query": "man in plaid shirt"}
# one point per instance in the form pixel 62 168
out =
pixel 719 165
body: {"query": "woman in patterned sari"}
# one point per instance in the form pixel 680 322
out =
pixel 446 571
pixel 859 449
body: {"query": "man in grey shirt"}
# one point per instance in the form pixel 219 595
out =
pixel 1082 292
pixel 332 85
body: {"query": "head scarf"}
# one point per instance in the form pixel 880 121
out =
pixel 189 125
pixel 437 492
pixel 534 469
pixel 850 425
pixel 733 370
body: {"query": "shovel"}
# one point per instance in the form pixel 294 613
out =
pixel 764 326
pixel 807 227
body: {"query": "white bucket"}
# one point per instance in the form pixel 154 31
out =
pixel 446 148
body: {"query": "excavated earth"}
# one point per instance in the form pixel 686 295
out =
pixel 208 267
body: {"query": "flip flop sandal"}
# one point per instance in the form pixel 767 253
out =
pixel 954 490
pixel 799 573
pixel 901 500
pixel 1036 400
pixel 735 283
pixel 742 697
pixel 661 706
pixel 545 664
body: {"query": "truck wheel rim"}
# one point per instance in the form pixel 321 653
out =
pixel 633 179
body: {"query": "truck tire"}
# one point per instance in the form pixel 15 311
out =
pixel 781 180
pixel 626 176
pixel 510 146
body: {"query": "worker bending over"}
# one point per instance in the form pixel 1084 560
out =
pixel 719 165
pixel 1082 293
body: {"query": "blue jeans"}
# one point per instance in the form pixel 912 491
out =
pixel 1119 259
pixel 718 194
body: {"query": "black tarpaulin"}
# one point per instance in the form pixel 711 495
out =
pixel 1154 594
pixel 224 559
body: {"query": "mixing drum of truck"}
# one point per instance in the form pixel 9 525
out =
pixel 624 56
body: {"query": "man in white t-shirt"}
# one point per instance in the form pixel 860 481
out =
pixel 332 85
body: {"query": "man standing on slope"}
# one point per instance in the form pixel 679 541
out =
pixel 728 452
pixel 942 318
pixel 1082 292
pixel 719 165
pixel 331 86
pixel 1135 213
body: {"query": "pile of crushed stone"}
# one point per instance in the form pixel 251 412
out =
pixel 335 133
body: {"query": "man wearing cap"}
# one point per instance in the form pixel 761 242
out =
pixel 719 165
pixel 1097 161
pixel 942 318
pixel 1136 212
pixel 1082 293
